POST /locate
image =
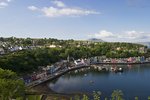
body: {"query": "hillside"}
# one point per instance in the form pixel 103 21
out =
pixel 95 40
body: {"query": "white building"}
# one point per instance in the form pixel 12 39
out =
pixel 52 46
pixel 79 62
pixel 2 51
pixel 16 48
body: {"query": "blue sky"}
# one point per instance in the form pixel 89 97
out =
pixel 110 20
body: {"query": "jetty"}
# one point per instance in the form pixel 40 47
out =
pixel 54 76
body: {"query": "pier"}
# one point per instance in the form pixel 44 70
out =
pixel 54 76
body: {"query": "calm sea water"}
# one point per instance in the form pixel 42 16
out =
pixel 134 81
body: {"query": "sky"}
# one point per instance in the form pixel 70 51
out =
pixel 109 20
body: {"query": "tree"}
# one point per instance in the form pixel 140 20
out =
pixel 136 98
pixel 117 95
pixel 85 97
pixel 76 97
pixel 10 85
pixel 96 95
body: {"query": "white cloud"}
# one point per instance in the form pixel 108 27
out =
pixel 33 8
pixel 136 35
pixel 62 10
pixel 4 3
pixel 131 34
pixel 56 12
pixel 104 34
pixel 123 36
pixel 58 3
pixel 5 0
pixel 8 0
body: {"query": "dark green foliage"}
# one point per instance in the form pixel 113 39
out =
pixel 85 97
pixel 77 97
pixel 117 95
pixel 28 61
pixel 10 85
pixel 136 98
pixel 149 98
pixel 96 95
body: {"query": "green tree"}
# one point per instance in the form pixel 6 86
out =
pixel 85 97
pixel 76 97
pixel 148 97
pixel 96 95
pixel 117 95
pixel 136 98
pixel 10 85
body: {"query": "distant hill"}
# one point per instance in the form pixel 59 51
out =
pixel 145 43
pixel 95 40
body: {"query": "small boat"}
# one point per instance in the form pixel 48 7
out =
pixel 99 68
pixel 119 70
pixel 76 71
pixel 85 74
pixel 91 81
pixel 104 69
pixel 113 69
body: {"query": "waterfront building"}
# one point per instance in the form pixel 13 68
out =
pixel 142 59
pixel 107 60
pixel 79 62
pixel 113 60
pixel 51 69
pixel 87 61
pixel 41 75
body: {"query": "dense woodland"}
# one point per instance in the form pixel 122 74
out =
pixel 10 85
pixel 29 60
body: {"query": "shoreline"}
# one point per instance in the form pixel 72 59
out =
pixel 36 83
pixel 52 94
pixel 32 85
pixel 134 63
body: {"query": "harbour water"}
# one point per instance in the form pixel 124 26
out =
pixel 133 81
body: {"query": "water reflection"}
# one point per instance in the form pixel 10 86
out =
pixel 134 81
